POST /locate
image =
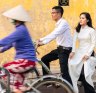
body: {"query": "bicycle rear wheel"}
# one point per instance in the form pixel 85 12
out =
pixel 53 85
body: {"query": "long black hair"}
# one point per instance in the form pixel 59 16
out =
pixel 89 23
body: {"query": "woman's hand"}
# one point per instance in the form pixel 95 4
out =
pixel 71 55
pixel 85 58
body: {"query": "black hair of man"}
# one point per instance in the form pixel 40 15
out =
pixel 59 9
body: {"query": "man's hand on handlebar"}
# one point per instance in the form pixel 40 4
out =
pixel 39 43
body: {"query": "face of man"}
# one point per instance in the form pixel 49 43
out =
pixel 55 15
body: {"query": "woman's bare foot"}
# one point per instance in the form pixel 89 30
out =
pixel 17 91
pixel 23 88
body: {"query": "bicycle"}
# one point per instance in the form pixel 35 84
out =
pixel 51 82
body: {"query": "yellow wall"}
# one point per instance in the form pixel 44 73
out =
pixel 42 23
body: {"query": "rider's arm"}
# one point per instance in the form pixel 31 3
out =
pixel 60 29
pixel 5 48
pixel 13 37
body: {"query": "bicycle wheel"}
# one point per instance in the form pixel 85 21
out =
pixel 3 87
pixel 53 85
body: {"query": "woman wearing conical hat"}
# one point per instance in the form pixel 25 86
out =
pixel 20 39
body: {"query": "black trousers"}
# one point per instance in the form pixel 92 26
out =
pixel 87 87
pixel 62 55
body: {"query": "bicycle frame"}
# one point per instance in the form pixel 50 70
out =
pixel 39 78
pixel 45 67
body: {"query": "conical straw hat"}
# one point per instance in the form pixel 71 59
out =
pixel 18 13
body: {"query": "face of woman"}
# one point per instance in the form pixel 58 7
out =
pixel 11 21
pixel 83 20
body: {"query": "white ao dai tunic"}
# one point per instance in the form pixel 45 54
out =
pixel 87 41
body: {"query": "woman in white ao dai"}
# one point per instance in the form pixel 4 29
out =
pixel 82 61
